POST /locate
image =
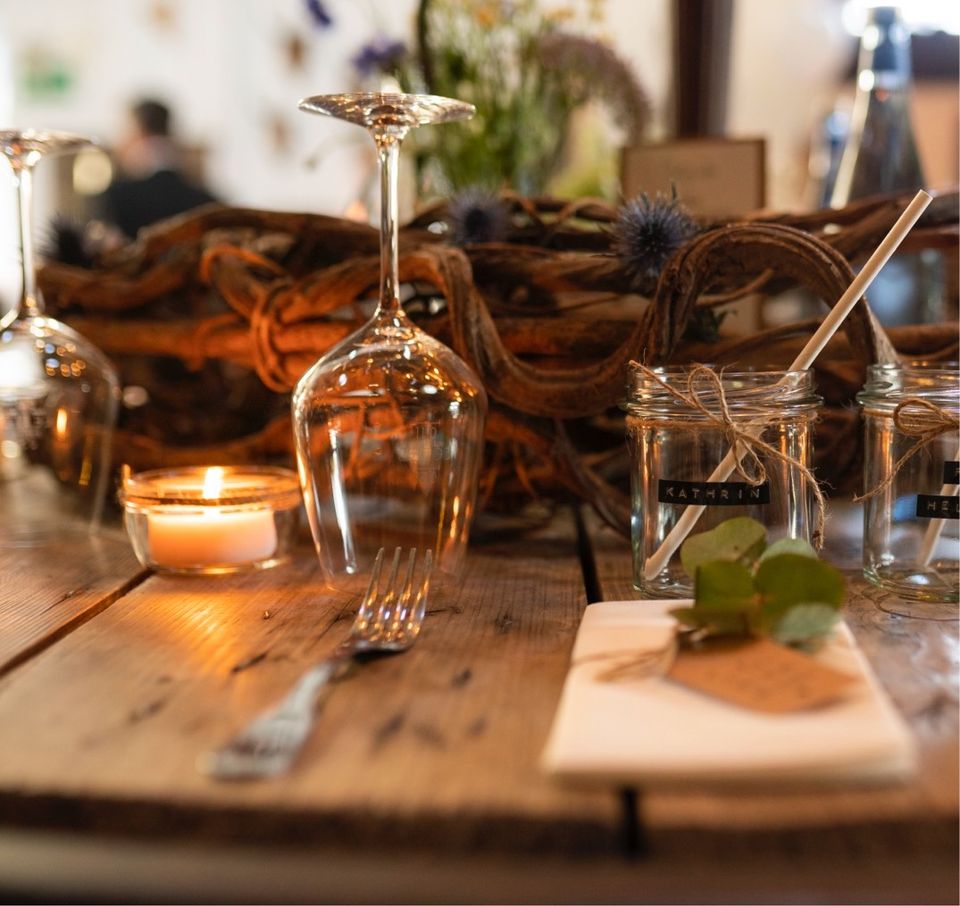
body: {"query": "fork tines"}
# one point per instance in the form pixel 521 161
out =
pixel 394 614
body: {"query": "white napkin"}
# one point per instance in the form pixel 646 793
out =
pixel 652 730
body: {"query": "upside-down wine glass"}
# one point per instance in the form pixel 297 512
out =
pixel 388 423
pixel 58 393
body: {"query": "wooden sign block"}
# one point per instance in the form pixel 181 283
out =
pixel 714 177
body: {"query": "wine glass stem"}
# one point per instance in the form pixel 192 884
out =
pixel 388 149
pixel 30 304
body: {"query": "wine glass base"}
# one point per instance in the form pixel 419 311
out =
pixel 377 109
pixel 27 146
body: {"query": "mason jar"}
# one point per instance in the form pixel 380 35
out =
pixel 911 454
pixel 676 448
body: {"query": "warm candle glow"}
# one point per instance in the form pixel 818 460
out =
pixel 211 518
pixel 212 535
pixel 60 428
pixel 213 483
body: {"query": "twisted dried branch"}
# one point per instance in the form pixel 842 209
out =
pixel 270 292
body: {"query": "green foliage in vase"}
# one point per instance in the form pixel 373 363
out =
pixel 525 75
pixel 745 587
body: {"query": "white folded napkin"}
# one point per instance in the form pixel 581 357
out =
pixel 652 730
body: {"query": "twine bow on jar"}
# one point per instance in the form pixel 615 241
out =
pixel 745 440
pixel 920 419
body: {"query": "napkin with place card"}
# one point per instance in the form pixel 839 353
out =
pixel 760 714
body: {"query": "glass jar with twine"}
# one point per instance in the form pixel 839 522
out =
pixel 682 421
pixel 911 543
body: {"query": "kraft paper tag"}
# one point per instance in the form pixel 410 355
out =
pixel 758 674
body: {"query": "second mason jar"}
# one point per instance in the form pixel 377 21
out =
pixel 676 446
pixel 911 476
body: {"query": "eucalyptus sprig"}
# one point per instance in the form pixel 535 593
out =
pixel 745 588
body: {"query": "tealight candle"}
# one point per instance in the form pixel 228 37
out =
pixel 213 519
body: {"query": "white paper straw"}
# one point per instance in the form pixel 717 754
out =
pixel 813 348
pixel 932 534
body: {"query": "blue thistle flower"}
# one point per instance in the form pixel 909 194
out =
pixel 648 232
pixel 319 13
pixel 476 215
pixel 382 54
pixel 66 243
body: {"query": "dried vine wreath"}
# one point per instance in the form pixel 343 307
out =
pixel 201 303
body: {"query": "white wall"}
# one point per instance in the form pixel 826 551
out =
pixel 221 66
pixel 788 58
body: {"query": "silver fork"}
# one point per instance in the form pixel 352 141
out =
pixel 387 622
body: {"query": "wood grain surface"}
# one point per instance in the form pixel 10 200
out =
pixel 436 747
pixel 421 781
pixel 44 593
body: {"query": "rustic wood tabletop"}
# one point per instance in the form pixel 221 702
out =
pixel 421 780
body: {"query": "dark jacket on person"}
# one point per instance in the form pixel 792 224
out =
pixel 130 204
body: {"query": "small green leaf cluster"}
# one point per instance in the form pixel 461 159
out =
pixel 744 587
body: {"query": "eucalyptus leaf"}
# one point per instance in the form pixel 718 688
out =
pixel 789 579
pixel 740 539
pixel 789 546
pixel 804 623
pixel 724 585
pixel 725 600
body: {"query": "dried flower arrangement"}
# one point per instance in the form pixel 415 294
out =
pixel 525 71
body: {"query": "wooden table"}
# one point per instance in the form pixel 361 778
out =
pixel 421 782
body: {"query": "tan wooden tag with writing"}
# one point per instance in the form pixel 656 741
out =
pixel 758 674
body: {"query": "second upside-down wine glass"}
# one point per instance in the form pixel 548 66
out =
pixel 58 393
pixel 388 423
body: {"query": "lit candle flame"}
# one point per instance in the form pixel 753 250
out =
pixel 61 426
pixel 213 483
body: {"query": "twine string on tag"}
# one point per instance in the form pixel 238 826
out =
pixel 631 664
pixel 745 441
pixel 920 419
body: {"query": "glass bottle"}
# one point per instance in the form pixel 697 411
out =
pixel 388 423
pixel 674 449
pixel 910 515
pixel 58 393
pixel 880 157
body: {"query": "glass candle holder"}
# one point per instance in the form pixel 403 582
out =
pixel 911 452
pixel 215 519
pixel 675 448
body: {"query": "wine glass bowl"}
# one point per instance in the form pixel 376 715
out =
pixel 58 393
pixel 391 437
pixel 389 422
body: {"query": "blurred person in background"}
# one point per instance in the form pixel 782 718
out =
pixel 152 184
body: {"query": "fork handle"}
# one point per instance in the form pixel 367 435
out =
pixel 300 699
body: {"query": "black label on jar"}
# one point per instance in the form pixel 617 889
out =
pixel 712 493
pixel 951 472
pixel 938 506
